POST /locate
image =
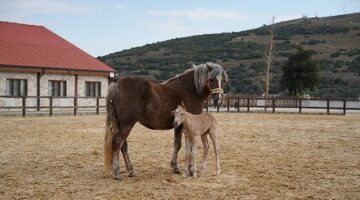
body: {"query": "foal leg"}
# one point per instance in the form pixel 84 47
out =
pixel 193 153
pixel 212 133
pixel 206 151
pixel 187 155
pixel 177 146
pixel 124 151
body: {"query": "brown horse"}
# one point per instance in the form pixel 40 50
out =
pixel 132 100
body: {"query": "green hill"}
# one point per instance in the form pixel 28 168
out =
pixel 336 41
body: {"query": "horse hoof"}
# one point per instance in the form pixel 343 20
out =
pixel 191 173
pixel 176 171
pixel 131 174
pixel 118 178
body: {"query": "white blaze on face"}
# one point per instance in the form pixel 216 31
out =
pixel 178 116
pixel 219 79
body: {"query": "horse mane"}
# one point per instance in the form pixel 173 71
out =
pixel 177 76
pixel 202 74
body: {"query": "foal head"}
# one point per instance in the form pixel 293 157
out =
pixel 178 113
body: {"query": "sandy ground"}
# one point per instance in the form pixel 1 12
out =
pixel 263 156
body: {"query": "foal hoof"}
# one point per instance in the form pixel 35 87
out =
pixel 118 178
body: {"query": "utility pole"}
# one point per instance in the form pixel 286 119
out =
pixel 268 56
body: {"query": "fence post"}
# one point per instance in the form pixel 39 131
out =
pixel 38 103
pixel 248 104
pixel 228 104
pixel 327 106
pixel 97 105
pixel 238 102
pixel 273 104
pixel 75 105
pixel 265 101
pixel 23 106
pixel 300 105
pixel 344 107
pixel 51 106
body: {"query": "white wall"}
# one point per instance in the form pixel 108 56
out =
pixel 31 81
pixel 44 90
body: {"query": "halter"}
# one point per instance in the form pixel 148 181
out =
pixel 218 90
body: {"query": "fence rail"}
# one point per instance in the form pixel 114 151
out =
pixel 234 104
pixel 229 104
pixel 50 107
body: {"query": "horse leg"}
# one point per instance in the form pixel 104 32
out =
pixel 187 155
pixel 177 146
pixel 115 163
pixel 193 153
pixel 118 142
pixel 216 149
pixel 206 151
pixel 124 151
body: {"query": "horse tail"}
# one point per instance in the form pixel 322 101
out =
pixel 111 127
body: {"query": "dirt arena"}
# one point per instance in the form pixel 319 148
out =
pixel 263 156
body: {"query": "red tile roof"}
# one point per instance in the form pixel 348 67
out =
pixel 36 46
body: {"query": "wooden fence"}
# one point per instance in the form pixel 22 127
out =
pixel 229 104
pixel 234 104
pixel 50 107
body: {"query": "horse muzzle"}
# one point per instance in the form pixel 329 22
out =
pixel 216 95
pixel 175 124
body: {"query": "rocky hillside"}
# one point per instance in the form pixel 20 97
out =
pixel 335 41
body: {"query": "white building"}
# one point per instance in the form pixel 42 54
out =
pixel 35 62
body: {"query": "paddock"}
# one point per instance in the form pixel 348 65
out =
pixel 263 156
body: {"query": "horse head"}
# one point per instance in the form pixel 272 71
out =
pixel 216 77
pixel 210 76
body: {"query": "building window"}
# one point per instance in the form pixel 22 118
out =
pixel 16 87
pixel 93 89
pixel 57 88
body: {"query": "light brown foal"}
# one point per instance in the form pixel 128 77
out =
pixel 197 125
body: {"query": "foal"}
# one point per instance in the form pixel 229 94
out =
pixel 196 125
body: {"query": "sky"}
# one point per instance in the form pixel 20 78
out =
pixel 107 26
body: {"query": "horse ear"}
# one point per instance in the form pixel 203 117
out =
pixel 225 76
pixel 209 67
pixel 183 105
pixel 172 113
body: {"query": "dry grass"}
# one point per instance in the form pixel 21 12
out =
pixel 263 156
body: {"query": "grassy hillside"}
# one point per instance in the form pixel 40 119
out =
pixel 336 41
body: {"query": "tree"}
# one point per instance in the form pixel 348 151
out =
pixel 268 56
pixel 300 72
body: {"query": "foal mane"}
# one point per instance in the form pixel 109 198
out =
pixel 202 75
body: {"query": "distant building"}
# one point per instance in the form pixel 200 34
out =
pixel 36 62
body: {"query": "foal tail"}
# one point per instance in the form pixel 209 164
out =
pixel 111 127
